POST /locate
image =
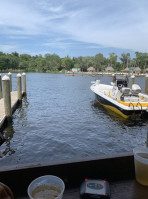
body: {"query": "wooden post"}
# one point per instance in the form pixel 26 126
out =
pixel 132 79
pixel 24 83
pixel 1 87
pixel 10 77
pixel 7 96
pixel 146 85
pixel 19 86
pixel 113 78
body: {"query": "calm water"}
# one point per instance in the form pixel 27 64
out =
pixel 59 119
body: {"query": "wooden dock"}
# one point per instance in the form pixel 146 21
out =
pixel 14 102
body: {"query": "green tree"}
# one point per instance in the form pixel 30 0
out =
pixel 99 61
pixel 67 63
pixel 125 59
pixel 113 59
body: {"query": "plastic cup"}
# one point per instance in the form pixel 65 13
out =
pixel 46 185
pixel 141 165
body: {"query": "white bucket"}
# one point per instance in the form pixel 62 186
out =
pixel 141 165
pixel 48 185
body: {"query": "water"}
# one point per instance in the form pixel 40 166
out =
pixel 60 119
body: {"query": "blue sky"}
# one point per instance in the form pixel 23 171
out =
pixel 74 27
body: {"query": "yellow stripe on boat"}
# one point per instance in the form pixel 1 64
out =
pixel 136 104
pixel 117 111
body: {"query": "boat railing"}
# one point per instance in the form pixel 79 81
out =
pixel 131 104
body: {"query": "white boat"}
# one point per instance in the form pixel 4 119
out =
pixel 121 99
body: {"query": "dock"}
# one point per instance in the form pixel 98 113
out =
pixel 10 99
pixel 14 102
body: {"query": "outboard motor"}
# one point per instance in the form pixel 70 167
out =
pixel 136 89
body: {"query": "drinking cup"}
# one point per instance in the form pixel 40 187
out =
pixel 47 186
pixel 141 165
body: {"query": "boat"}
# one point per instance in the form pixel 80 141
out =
pixel 117 169
pixel 118 97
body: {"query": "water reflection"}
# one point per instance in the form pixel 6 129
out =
pixel 8 134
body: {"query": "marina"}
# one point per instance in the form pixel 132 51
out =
pixel 38 130
pixel 68 119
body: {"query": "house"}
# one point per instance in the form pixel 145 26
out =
pixel 109 69
pixel 76 69
pixel 91 69
pixel 137 70
pixel 126 70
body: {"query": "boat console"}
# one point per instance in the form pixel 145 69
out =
pixel 121 81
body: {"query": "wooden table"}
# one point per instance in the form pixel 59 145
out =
pixel 118 169
pixel 128 189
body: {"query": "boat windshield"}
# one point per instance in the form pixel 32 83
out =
pixel 121 81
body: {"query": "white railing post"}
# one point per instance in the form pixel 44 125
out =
pixel 7 96
pixel 24 83
pixel 19 86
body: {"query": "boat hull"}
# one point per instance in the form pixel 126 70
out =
pixel 120 111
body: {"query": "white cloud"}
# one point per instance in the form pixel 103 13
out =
pixel 116 23
pixel 7 48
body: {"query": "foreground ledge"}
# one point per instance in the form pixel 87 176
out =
pixel 72 171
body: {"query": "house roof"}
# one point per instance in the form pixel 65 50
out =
pixel 126 69
pixel 109 68
pixel 137 69
pixel 91 69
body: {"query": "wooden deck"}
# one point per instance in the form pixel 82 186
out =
pixel 14 101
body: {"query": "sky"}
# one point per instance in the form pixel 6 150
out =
pixel 74 27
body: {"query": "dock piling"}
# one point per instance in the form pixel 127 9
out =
pixel 146 85
pixel 19 86
pixel 132 79
pixel 10 77
pixel 113 77
pixel 7 96
pixel 24 83
pixel 1 87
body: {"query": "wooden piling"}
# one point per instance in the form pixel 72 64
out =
pixel 19 86
pixel 132 79
pixel 10 77
pixel 10 100
pixel 24 83
pixel 7 96
pixel 1 87
pixel 146 85
pixel 113 78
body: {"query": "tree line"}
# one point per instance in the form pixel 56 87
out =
pixel 53 63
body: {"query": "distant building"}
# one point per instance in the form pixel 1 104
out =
pixel 91 69
pixel 109 69
pixel 132 68
pixel 137 70
pixel 126 69
pixel 146 70
pixel 76 69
